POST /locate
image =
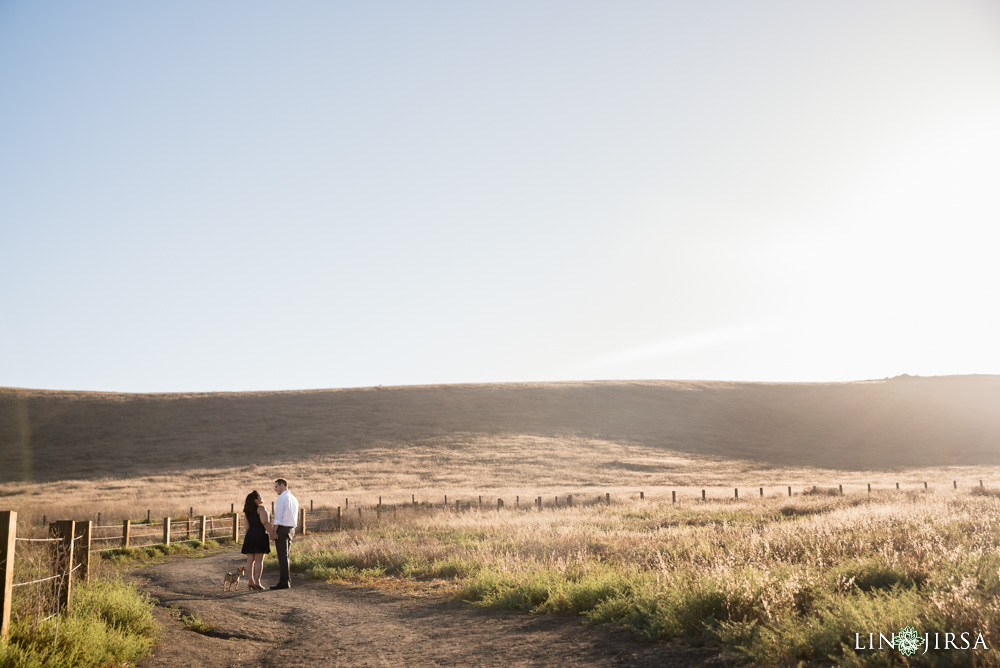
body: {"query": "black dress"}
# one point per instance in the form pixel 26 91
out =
pixel 256 541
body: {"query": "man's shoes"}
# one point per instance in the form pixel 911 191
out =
pixel 280 586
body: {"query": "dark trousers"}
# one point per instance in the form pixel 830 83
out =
pixel 285 535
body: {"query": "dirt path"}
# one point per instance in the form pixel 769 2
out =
pixel 317 624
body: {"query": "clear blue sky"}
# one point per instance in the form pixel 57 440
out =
pixel 233 196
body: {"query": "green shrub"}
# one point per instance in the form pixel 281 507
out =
pixel 196 624
pixel 111 624
pixel 511 591
pixel 126 554
pixel 872 575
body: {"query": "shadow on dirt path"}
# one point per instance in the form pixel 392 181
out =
pixel 317 624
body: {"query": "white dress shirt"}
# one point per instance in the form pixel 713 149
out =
pixel 286 510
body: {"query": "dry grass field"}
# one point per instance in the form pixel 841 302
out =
pixel 119 454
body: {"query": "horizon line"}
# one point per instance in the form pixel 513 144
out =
pixel 903 376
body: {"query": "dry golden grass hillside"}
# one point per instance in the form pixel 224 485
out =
pixel 463 438
pixel 902 422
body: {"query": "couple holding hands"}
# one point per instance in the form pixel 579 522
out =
pixel 261 531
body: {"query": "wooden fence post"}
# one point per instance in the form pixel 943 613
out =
pixel 126 532
pixel 925 484
pixel 310 505
pixel 203 534
pixel 272 510
pixel 65 530
pixel 673 495
pixel 84 530
pixel 642 496
pixel 517 501
pixel 302 520
pixel 736 493
pixel 789 491
pixel 897 485
pixel 166 530
pixel 148 521
pixel 340 519
pixel 499 504
pixel 841 490
pixel 607 497
pixel 955 483
pixel 762 492
pixel 236 528
pixel 8 535
pixel 569 500
pixel 702 495
pixel 869 488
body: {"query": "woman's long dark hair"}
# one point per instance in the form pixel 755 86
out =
pixel 250 505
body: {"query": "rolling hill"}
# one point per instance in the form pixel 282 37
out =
pixel 900 422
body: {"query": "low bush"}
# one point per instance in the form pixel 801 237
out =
pixel 111 624
pixel 126 554
pixel 196 624
pixel 870 574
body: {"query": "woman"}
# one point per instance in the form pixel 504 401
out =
pixel 256 543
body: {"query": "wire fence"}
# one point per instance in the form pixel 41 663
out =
pixel 144 533
pixel 46 567
pixel 107 538
pixel 54 562
pixel 25 584
pixel 39 540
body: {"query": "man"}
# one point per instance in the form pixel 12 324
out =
pixel 286 513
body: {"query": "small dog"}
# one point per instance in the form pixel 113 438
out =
pixel 232 580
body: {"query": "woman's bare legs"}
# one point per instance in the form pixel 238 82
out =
pixel 258 565
pixel 249 573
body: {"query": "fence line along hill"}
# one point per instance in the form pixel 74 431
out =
pixel 904 421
